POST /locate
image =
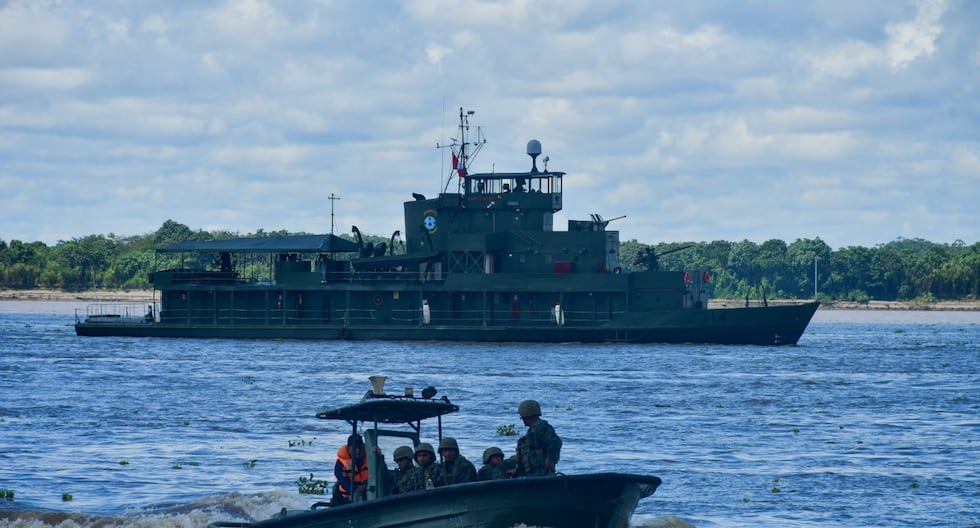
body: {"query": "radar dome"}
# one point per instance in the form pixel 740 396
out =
pixel 533 147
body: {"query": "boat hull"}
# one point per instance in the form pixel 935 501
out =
pixel 771 325
pixel 605 500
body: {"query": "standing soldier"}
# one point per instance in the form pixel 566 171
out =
pixel 542 448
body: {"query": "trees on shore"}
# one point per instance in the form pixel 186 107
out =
pixel 903 269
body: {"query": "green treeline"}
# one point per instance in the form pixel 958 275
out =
pixel 899 270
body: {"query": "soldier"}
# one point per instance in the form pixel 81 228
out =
pixel 512 466
pixel 428 471
pixel 542 448
pixel 400 477
pixel 456 469
pixel 493 468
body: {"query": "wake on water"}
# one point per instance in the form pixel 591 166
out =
pixel 230 507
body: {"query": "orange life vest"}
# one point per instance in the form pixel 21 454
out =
pixel 356 476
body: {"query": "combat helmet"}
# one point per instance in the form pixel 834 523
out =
pixel 403 452
pixel 491 451
pixel 448 443
pixel 425 447
pixel 529 408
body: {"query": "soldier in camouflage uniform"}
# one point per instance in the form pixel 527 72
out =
pixel 456 469
pixel 493 467
pixel 398 480
pixel 428 472
pixel 542 447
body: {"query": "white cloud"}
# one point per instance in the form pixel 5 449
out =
pixel 908 41
pixel 682 117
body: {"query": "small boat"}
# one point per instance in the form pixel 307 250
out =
pixel 591 500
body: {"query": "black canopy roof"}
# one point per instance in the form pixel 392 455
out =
pixel 390 409
pixel 276 244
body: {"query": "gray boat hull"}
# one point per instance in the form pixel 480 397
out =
pixel 604 500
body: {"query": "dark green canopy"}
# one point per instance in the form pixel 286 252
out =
pixel 275 244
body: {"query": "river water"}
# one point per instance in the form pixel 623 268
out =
pixel 872 420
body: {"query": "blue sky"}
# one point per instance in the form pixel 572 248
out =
pixel 855 122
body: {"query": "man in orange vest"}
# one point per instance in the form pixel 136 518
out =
pixel 351 471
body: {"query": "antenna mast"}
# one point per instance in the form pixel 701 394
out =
pixel 461 152
pixel 332 198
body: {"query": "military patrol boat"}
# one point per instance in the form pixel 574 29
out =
pixel 483 263
pixel 605 500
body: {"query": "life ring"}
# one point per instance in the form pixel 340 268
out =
pixel 707 277
pixel 687 277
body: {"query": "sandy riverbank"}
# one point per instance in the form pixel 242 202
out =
pixel 134 296
pixel 139 296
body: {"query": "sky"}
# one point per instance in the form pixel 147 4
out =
pixel 854 122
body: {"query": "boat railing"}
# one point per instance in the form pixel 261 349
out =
pixel 118 312
pixel 344 316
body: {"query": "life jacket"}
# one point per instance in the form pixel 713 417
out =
pixel 355 476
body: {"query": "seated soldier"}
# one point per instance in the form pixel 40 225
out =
pixel 493 467
pixel 456 469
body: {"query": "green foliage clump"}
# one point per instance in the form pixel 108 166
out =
pixel 507 430
pixel 312 486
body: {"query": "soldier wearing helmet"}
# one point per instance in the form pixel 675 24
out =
pixel 456 469
pixel 493 467
pixel 398 479
pixel 428 472
pixel 542 448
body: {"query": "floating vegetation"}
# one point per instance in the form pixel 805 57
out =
pixel 7 494
pixel 249 380
pixel 124 462
pixel 796 430
pixel 745 499
pixel 66 497
pixel 312 486
pixel 249 464
pixel 914 485
pixel 194 464
pixel 507 430
pixel 176 466
pixel 301 442
pixel 776 489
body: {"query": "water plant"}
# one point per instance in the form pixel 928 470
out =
pixel 250 463
pixel 7 494
pixel 301 442
pixel 123 462
pixel 66 497
pixel 507 430
pixel 176 466
pixel 312 486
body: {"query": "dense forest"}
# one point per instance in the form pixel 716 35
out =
pixel 898 270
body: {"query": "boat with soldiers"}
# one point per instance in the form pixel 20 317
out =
pixel 481 262
pixel 605 500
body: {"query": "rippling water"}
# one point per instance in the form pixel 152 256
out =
pixel 873 420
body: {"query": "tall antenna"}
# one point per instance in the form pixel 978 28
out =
pixel 462 155
pixel 332 198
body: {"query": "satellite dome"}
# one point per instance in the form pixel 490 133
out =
pixel 533 148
